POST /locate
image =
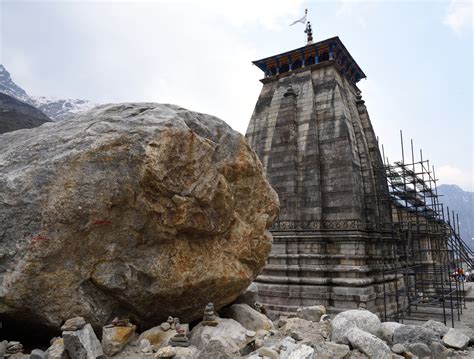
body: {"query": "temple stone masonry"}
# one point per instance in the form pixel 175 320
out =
pixel 312 132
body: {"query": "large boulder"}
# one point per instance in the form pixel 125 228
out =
pixel 143 210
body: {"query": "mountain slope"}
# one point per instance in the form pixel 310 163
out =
pixel 15 114
pixel 8 87
pixel 56 109
pixel 461 202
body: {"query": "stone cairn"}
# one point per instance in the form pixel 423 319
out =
pixel 209 317
pixel 180 339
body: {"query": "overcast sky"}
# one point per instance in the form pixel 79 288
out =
pixel 418 58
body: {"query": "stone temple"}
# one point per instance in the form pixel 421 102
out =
pixel 312 132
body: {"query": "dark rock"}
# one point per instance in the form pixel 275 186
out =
pixel 16 115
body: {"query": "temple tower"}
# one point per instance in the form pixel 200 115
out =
pixel 311 130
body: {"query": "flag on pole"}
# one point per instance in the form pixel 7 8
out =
pixel 302 20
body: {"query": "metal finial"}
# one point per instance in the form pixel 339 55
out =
pixel 309 32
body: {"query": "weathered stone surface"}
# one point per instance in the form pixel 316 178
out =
pixel 331 350
pixel 454 338
pixel 115 338
pixel 57 350
pixel 368 343
pixel 125 207
pixel 82 344
pixel 361 319
pixel 250 296
pixel 386 331
pixel 313 313
pixel 248 317
pixel 414 334
pixel 37 354
pixel 228 332
pixel 421 350
pixel 157 336
pixel 437 327
pixel 315 332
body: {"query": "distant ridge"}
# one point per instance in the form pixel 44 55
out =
pixel 461 202
pixel 16 114
pixel 56 109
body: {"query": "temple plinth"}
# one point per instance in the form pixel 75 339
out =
pixel 312 132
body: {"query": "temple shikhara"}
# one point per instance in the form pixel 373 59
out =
pixel 338 240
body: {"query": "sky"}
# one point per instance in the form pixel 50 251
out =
pixel 417 55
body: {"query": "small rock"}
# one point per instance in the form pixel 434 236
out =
pixel 14 347
pixel 362 319
pixel 386 331
pixel 166 352
pixel 368 343
pixel 57 350
pixel 414 334
pixel 250 333
pixel 399 348
pixel 297 336
pixel 157 336
pixel 165 326
pixel 82 343
pixel 331 350
pixel 437 327
pixel 115 338
pixel 267 352
pixel 454 338
pixel 144 343
pixel 356 354
pixel 262 333
pixel 298 351
pixel 439 351
pixel 317 332
pixel 37 354
pixel 72 324
pixel 419 349
pixel 313 313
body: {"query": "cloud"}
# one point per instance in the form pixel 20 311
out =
pixel 459 15
pixel 452 175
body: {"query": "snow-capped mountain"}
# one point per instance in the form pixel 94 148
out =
pixel 56 109
pixel 461 202
pixel 59 109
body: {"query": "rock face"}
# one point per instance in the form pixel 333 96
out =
pixel 143 210
pixel 16 115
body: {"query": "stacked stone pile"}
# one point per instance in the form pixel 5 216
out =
pixel 239 331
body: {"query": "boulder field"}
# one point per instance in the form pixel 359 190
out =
pixel 136 210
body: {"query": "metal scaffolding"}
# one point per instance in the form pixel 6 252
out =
pixel 429 250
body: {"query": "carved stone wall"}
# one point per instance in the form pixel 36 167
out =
pixel 313 135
